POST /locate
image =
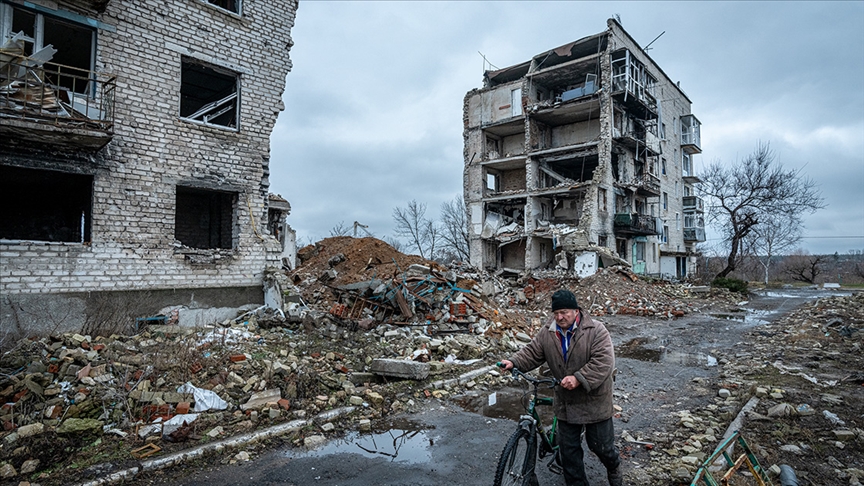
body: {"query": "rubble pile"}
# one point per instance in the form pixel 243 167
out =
pixel 800 379
pixel 358 319
pixel 170 386
pixel 362 282
pixel 616 290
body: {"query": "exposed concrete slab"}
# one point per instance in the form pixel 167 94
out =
pixel 400 368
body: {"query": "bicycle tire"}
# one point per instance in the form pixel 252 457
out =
pixel 516 464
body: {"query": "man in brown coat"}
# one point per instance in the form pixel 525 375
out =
pixel 579 352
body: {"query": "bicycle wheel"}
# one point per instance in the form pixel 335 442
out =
pixel 516 464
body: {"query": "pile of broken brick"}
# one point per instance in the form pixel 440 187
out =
pixel 329 346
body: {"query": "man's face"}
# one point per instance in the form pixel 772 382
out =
pixel 565 317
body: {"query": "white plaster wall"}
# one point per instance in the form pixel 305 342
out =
pixel 585 264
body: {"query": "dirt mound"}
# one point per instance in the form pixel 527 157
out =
pixel 361 259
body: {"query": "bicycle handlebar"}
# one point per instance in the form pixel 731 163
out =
pixel 537 382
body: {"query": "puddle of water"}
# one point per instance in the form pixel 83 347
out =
pixel 665 356
pixel 508 404
pixel 751 318
pixel 395 445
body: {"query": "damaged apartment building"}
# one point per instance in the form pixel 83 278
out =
pixel 134 157
pixel 580 158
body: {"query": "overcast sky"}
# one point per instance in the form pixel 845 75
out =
pixel 373 105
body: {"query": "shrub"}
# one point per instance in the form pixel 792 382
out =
pixel 733 284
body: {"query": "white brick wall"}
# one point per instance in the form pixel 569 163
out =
pixel 153 150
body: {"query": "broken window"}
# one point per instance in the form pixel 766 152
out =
pixel 70 67
pixel 209 94
pixel 229 5
pixel 603 240
pixel 204 218
pixel 492 182
pixel 663 166
pixel 44 205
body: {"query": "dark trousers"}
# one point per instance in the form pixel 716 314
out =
pixel 601 441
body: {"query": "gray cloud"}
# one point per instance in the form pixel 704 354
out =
pixel 373 113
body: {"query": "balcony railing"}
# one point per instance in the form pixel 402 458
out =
pixel 49 102
pixel 635 224
pixel 691 134
pixel 693 203
pixel 694 234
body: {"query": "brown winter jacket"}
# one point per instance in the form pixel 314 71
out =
pixel 591 359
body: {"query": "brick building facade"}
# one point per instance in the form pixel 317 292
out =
pixel 135 160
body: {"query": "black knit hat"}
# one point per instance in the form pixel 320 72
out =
pixel 564 299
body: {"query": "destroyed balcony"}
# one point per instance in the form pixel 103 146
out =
pixel 693 204
pixel 55 106
pixel 635 224
pixel 646 184
pixel 694 234
pixel 691 137
pixel 633 86
pixel 639 140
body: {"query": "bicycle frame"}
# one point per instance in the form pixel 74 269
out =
pixel 532 420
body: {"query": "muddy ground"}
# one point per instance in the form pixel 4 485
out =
pixel 671 373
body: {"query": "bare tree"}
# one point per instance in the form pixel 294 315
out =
pixel 395 243
pixel 454 228
pixel 804 268
pixel 340 230
pixel 411 224
pixel 740 196
pixel 774 235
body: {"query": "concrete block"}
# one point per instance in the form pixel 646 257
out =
pixel 400 368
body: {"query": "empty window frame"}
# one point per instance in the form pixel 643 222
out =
pixel 665 201
pixel 209 94
pixel 204 218
pixel 233 6
pixel 44 205
pixel 71 66
pixel 663 165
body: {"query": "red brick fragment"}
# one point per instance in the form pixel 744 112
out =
pixel 195 368
pixel 19 395
pixel 341 368
pixel 53 368
pixel 284 403
pixel 137 375
pixel 315 355
pixel 182 408
pixel 236 358
pixel 85 345
pixel 98 347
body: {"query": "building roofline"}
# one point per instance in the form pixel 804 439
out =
pixel 611 22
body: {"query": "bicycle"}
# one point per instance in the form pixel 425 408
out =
pixel 519 457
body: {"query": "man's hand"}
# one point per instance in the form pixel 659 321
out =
pixel 506 364
pixel 569 382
